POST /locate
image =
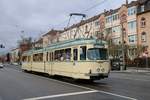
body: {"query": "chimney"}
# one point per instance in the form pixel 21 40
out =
pixel 127 2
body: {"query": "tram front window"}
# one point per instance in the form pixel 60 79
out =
pixel 97 54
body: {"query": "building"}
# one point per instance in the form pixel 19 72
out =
pixel 51 37
pixel 14 53
pixel 85 29
pixel 38 44
pixel 143 21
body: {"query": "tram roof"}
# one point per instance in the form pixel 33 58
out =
pixel 73 42
pixel 67 43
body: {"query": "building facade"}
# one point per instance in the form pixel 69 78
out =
pixel 51 37
pixel 143 21
pixel 15 55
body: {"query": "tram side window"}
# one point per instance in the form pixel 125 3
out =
pixel 50 57
pixel 57 55
pixel 29 58
pixel 83 53
pixel 38 57
pixel 63 55
pixel 47 56
pixel 75 54
pixel 24 58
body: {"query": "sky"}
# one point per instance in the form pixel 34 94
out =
pixel 32 18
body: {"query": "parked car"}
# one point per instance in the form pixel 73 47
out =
pixel 1 65
pixel 116 64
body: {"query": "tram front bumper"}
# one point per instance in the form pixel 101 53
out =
pixel 97 76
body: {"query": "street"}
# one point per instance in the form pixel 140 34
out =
pixel 18 85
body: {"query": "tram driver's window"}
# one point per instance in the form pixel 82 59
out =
pixel 83 53
pixel 75 54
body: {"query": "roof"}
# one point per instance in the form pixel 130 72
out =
pixel 15 49
pixel 52 31
pixel 80 41
pixel 133 3
pixel 111 11
pixel 142 1
pixel 67 44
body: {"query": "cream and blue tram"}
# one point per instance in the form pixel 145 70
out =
pixel 78 59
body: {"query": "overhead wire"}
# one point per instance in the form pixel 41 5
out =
pixel 88 9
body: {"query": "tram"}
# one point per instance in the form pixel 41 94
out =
pixel 78 59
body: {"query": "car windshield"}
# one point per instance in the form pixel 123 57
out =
pixel 97 54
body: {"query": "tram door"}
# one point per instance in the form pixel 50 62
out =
pixel 47 63
pixel 51 62
pixel 30 62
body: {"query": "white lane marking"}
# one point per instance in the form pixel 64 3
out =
pixel 61 95
pixel 117 95
pixel 113 94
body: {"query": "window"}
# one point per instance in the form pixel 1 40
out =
pixel 97 23
pixel 83 53
pixel 115 17
pixel 63 55
pixel 38 57
pixel 29 58
pixel 97 54
pixel 143 22
pixel 24 58
pixel 116 29
pixel 58 55
pixel 116 40
pixel 132 26
pixel 75 54
pixel 50 58
pixel 143 37
pixel 142 8
pixel 132 11
pixel 109 19
pixel 47 56
pixel 132 38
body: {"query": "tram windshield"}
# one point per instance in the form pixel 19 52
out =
pixel 97 54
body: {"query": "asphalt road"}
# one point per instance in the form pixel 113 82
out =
pixel 18 85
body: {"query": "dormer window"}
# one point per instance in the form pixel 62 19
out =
pixel 143 22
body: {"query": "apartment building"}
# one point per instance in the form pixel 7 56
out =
pixel 143 20
pixel 51 37
pixel 85 29
pixel 14 53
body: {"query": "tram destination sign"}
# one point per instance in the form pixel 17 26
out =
pixel 99 46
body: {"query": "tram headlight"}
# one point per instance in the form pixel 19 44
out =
pixel 102 69
pixel 98 69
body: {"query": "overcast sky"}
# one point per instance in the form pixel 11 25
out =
pixel 35 17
